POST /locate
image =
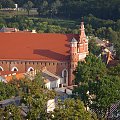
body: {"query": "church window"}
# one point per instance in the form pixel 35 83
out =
pixel 1 69
pixel 30 69
pixel 14 69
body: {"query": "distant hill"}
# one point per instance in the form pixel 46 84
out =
pixel 104 9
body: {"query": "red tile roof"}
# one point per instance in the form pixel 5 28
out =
pixel 30 46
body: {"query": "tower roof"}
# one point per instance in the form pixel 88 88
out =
pixel 73 40
pixel 82 33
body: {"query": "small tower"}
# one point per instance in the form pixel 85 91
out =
pixel 82 44
pixel 73 59
pixel 73 51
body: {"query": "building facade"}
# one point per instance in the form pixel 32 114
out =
pixel 59 53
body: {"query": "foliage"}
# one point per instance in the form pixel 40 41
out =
pixel 107 92
pixel 96 88
pixel 42 8
pixel 114 71
pixel 71 109
pixel 7 4
pixel 28 6
pixel 35 96
pixel 93 48
pixel 10 112
pixel 89 70
pixel 74 8
pixel 7 90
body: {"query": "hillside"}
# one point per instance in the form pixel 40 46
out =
pixel 104 9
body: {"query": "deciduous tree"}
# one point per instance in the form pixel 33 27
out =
pixel 28 6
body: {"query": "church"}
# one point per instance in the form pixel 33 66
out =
pixel 58 53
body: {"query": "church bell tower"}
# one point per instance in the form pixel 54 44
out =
pixel 78 51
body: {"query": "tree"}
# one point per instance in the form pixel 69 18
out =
pixel 10 112
pixel 7 3
pixel 42 8
pixel 93 48
pixel 106 92
pixel 96 88
pixel 28 6
pixel 7 90
pixel 89 30
pixel 115 70
pixel 89 70
pixel 55 6
pixel 117 48
pixel 71 109
pixel 35 97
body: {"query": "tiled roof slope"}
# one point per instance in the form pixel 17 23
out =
pixel 29 46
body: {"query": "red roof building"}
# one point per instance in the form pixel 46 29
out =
pixel 22 51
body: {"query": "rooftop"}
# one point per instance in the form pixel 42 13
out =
pixel 29 46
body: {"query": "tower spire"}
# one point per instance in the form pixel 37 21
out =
pixel 82 34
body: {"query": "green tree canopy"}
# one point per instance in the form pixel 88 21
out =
pixel 93 48
pixel 89 70
pixel 28 6
pixel 96 88
pixel 71 109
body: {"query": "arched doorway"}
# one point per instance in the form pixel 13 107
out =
pixel 65 76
